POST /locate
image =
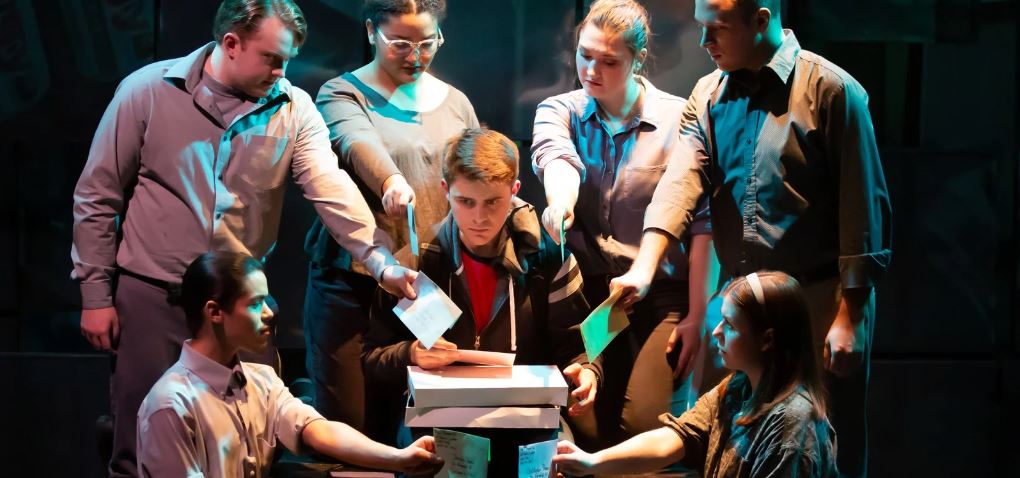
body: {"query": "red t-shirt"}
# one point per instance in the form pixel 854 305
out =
pixel 481 284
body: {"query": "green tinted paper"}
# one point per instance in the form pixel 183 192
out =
pixel 603 325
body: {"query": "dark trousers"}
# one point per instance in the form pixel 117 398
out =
pixel 847 395
pixel 152 332
pixel 336 317
pixel 638 383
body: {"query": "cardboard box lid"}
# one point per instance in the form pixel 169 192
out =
pixel 486 386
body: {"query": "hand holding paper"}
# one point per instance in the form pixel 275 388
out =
pixel 442 353
pixel 430 314
pixel 464 455
pixel 603 325
pixel 535 460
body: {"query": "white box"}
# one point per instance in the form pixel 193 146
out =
pixel 547 417
pixel 482 386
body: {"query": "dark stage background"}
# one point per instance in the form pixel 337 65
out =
pixel 942 75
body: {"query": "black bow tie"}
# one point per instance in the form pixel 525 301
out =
pixel 237 382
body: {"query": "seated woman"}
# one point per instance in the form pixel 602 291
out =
pixel 212 415
pixel 766 419
pixel 493 259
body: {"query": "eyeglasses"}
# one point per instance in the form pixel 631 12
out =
pixel 405 47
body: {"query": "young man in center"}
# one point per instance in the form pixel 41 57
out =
pixel 491 256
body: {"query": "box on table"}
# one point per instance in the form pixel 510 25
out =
pixel 547 417
pixel 487 386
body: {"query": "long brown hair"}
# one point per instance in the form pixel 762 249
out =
pixel 791 362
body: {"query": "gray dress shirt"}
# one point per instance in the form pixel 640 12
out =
pixel 618 176
pixel 375 140
pixel 789 156
pixel 167 179
pixel 202 419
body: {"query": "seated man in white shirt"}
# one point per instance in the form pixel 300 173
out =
pixel 211 415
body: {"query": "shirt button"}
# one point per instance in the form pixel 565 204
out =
pixel 748 141
pixel 219 215
pixel 220 177
pixel 750 179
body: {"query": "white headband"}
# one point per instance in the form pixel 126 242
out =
pixel 759 293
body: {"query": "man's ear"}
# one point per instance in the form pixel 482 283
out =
pixel 516 187
pixel 446 187
pixel 763 19
pixel 213 312
pixel 231 44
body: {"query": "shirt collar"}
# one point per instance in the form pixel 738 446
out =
pixel 187 73
pixel 652 110
pixel 221 379
pixel 785 57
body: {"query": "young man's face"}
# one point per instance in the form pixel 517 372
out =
pixel 246 325
pixel 728 37
pixel 480 209
pixel 260 59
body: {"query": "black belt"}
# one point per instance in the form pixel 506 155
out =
pixel 173 289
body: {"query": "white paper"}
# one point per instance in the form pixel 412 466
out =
pixel 535 460
pixel 430 314
pixel 464 455
pixel 483 357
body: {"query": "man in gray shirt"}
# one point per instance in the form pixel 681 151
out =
pixel 783 141
pixel 216 416
pixel 192 155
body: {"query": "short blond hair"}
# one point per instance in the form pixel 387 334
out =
pixel 481 154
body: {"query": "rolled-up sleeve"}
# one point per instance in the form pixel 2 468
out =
pixel 694 427
pixel 99 195
pixel 289 414
pixel 551 137
pixel 676 199
pixel 333 193
pixel 865 223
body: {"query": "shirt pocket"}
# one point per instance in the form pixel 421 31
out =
pixel 260 161
pixel 638 186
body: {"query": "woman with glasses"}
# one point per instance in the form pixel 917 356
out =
pixel 600 151
pixel 388 121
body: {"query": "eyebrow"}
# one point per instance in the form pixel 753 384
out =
pixel 593 51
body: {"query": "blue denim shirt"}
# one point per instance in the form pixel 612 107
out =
pixel 618 176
